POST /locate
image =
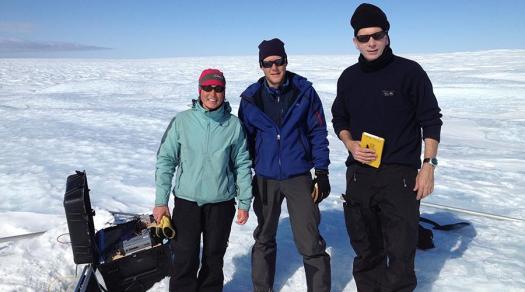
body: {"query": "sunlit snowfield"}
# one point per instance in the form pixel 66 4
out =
pixel 107 117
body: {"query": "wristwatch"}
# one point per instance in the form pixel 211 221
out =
pixel 432 161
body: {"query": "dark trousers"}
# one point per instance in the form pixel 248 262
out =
pixel 304 219
pixel 214 222
pixel 382 216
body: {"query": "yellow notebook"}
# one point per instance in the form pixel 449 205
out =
pixel 375 143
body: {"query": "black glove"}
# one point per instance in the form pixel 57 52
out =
pixel 323 185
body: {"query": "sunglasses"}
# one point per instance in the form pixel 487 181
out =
pixel 269 64
pixel 364 38
pixel 209 88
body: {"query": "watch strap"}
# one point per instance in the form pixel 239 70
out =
pixel 432 161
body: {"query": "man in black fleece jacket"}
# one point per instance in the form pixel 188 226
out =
pixel 391 97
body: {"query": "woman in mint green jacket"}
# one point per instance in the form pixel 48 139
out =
pixel 206 147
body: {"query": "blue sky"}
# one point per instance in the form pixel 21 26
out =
pixel 157 29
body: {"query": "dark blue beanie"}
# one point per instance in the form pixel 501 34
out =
pixel 273 47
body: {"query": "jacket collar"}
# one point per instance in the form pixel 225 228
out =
pixel 219 115
pixel 377 64
pixel 296 81
pixel 282 88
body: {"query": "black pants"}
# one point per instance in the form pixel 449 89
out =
pixel 214 222
pixel 382 215
pixel 304 219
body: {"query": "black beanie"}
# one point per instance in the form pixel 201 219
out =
pixel 273 47
pixel 368 15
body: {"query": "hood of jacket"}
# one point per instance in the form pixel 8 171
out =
pixel 219 115
pixel 297 81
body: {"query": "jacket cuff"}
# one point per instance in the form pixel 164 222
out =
pixel 338 130
pixel 319 171
pixel 432 132
pixel 162 199
pixel 244 204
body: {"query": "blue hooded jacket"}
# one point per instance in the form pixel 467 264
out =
pixel 294 147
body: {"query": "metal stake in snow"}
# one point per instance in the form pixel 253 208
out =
pixel 123 213
pixel 482 214
pixel 21 236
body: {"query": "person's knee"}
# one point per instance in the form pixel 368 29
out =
pixel 311 248
pixel 265 243
pixel 215 252
pixel 369 261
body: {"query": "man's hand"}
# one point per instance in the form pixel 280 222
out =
pixel 424 181
pixel 160 211
pixel 363 155
pixel 360 154
pixel 242 216
pixel 323 184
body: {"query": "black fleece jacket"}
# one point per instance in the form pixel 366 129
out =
pixel 391 97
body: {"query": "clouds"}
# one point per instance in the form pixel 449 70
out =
pixel 14 45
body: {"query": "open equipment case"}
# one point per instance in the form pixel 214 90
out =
pixel 128 256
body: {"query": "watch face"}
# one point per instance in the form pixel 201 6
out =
pixel 432 161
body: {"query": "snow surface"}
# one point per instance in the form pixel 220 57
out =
pixel 107 117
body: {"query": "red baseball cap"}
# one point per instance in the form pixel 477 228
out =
pixel 212 77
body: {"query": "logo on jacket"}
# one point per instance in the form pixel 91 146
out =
pixel 388 92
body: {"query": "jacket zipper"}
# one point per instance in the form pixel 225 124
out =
pixel 207 138
pixel 207 152
pixel 279 152
pixel 299 97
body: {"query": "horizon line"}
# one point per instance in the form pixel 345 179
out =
pixel 251 55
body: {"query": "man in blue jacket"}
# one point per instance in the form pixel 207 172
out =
pixel 286 132
pixel 391 97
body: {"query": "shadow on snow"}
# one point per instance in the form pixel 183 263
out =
pixel 289 261
pixel 449 245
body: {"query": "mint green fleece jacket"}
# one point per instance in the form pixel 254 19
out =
pixel 208 151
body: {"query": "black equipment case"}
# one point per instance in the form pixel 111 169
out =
pixel 127 256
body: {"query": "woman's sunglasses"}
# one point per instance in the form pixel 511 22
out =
pixel 209 88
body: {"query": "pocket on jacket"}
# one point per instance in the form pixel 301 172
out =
pixel 178 180
pixel 230 182
pixel 258 142
pixel 306 145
